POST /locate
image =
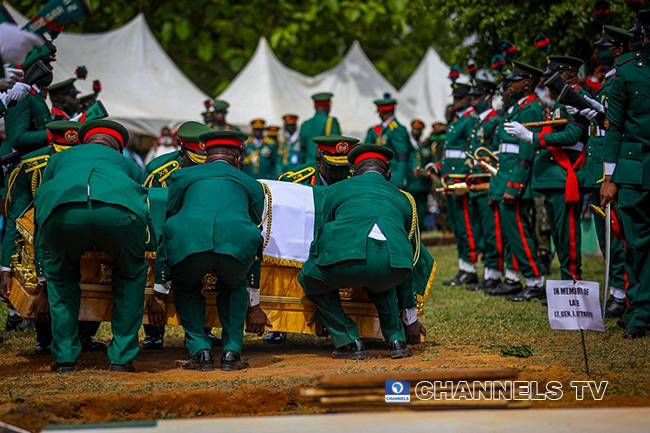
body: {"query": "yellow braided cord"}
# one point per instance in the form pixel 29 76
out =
pixel 148 183
pixel 269 214
pixel 36 182
pixel 10 185
pixel 328 128
pixel 415 227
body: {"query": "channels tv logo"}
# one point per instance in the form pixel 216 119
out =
pixel 397 391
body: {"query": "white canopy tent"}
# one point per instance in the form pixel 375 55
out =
pixel 428 90
pixel 142 87
pixel 266 88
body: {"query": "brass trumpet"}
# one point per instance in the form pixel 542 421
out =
pixel 456 186
pixel 492 170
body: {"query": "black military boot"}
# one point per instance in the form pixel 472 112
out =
pixel 453 281
pixel 122 368
pixel 506 287
pixel 528 294
pixel 231 360
pixel 275 337
pixel 202 361
pixel 14 321
pixel 354 350
pixel 467 279
pixel 89 344
pixel 63 367
pixel 634 332
pixel 615 307
pixel 152 343
pixel 399 349
pixel 484 285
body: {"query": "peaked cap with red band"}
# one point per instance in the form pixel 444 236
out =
pixel 417 124
pixel 223 138
pixel 290 119
pixel 368 151
pixel 188 135
pixel 104 126
pixel 321 99
pixel 258 124
pixel 63 132
pixel 334 149
pixel 386 103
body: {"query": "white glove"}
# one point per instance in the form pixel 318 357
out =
pixel 518 130
pixel 589 113
pixel 12 76
pixel 573 111
pixel 15 43
pixel 18 92
pixel 163 289
pixel 594 104
pixel 253 297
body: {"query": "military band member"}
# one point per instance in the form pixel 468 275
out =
pixel 511 185
pixel 261 153
pixel 627 176
pixel 22 186
pixel 556 160
pixel 227 242
pixel 91 198
pixel 218 117
pixel 420 186
pixel 392 134
pixel 331 163
pixel 362 216
pixel 484 218
pixel 65 103
pixel 453 169
pixel 156 175
pixel 321 124
pixel 289 152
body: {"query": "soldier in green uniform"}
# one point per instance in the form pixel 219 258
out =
pixel 91 198
pixel 331 163
pixel 321 124
pixel 261 153
pixel 484 218
pixel 22 185
pixel 156 175
pixel 510 188
pixel 362 216
pixel 289 153
pixel 392 134
pixel 611 46
pixel 227 241
pixel 420 186
pixel 218 118
pixel 556 160
pixel 453 169
pixel 627 176
pixel 65 103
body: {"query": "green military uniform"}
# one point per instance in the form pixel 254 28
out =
pixel 220 106
pixel 91 198
pixel 394 136
pixel 289 150
pixel 594 173
pixel 420 186
pixel 518 246
pixel 361 216
pixel 156 174
pixel 627 148
pixel 226 241
pixel 261 154
pixel 557 174
pixel 319 125
pixel 484 219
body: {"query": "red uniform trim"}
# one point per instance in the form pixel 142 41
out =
pixel 529 255
pixel 223 141
pixel 572 242
pixel 388 107
pixel 321 103
pixel 468 227
pixel 516 185
pixel 369 155
pixel 497 227
pixel 101 130
pixel 59 112
pixel 530 98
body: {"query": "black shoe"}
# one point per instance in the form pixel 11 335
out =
pixel 453 281
pixel 399 349
pixel 13 321
pixel 202 361
pixel 275 337
pixel 484 285
pixel 615 307
pixel 467 279
pixel 506 287
pixel 528 294
pixel 231 360
pixel 89 344
pixel 634 332
pixel 214 340
pixel 42 350
pixel 354 350
pixel 152 343
pixel 122 368
pixel 63 367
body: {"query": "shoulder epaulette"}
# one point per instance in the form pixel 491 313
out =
pixel 625 58
pixel 268 140
pixel 162 173
pixel 35 163
pixel 392 125
pixel 300 175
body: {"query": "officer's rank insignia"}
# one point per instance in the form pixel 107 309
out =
pixel 342 147
pixel 266 152
pixel 557 114
pixel 480 135
pixel 71 136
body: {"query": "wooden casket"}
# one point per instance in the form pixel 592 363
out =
pixel 282 297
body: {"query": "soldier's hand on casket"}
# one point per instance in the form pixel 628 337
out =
pixel 257 321
pixel 5 284
pixel 157 309
pixel 414 331
pixel 40 308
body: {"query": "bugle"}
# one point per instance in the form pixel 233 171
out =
pixel 546 123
